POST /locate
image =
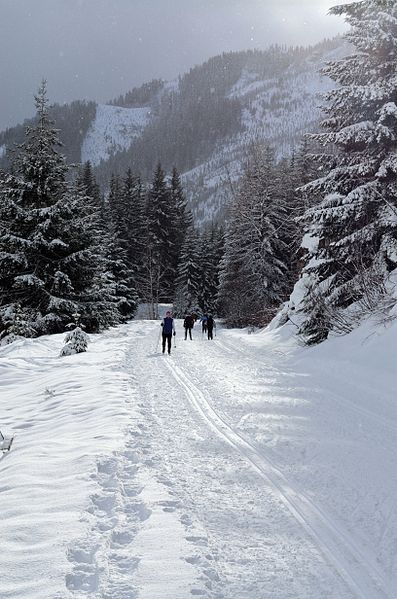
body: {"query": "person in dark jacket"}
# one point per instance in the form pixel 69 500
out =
pixel 168 330
pixel 188 323
pixel 210 326
pixel 203 321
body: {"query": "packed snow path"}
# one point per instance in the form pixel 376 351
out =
pixel 241 475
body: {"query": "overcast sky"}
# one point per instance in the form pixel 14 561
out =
pixel 97 49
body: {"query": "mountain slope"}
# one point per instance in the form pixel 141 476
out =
pixel 112 131
pixel 203 122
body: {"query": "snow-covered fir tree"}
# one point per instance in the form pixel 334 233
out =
pixel 189 275
pixel 211 253
pixel 47 254
pixel 254 278
pixel 354 224
pixel 15 325
pixel 181 219
pixel 87 180
pixel 113 294
pixel 159 268
pixel 132 205
pixel 118 271
pixel 76 340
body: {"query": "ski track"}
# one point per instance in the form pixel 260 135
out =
pixel 192 507
pixel 368 559
pixel 364 578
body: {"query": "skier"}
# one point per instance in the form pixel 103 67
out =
pixel 188 323
pixel 203 320
pixel 168 330
pixel 211 324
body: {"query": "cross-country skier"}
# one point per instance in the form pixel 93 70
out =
pixel 188 323
pixel 203 320
pixel 211 324
pixel 168 330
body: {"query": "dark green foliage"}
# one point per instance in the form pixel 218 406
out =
pixel 72 120
pixel 211 254
pixel 189 276
pixel 255 276
pixel 49 261
pixel 140 96
pixel 160 221
pixel 352 211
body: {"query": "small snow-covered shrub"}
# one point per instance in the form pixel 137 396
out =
pixel 76 342
pixel 15 325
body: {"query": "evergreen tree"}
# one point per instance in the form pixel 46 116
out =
pixel 114 285
pixel 91 188
pixel 189 275
pixel 119 273
pixel 159 263
pixel 182 215
pixel 254 275
pixel 15 325
pixel 133 208
pixel 115 205
pixel 99 304
pixel 211 252
pixel 179 223
pixel 47 261
pixel 354 206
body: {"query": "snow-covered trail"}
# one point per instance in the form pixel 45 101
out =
pixel 266 535
pixel 238 468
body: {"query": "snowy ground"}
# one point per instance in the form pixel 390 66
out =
pixel 245 467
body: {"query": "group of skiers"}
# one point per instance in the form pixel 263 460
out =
pixel 168 327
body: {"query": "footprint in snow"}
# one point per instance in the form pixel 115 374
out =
pixel 107 467
pixel 85 576
pixel 105 503
pixel 140 510
pixel 169 505
pixel 186 520
pixel 197 540
pixel 81 580
pixel 82 555
pixel 120 537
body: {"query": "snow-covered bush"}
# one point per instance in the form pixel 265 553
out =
pixel 76 342
pixel 14 325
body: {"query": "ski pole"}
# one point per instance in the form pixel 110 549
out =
pixel 158 341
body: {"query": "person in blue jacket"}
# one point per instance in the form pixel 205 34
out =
pixel 203 320
pixel 168 330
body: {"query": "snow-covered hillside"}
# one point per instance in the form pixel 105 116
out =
pixel 244 467
pixel 113 130
pixel 277 111
pixel 202 122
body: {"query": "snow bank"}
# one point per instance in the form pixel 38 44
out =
pixel 65 413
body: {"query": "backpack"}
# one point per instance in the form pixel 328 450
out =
pixel 189 322
pixel 167 325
